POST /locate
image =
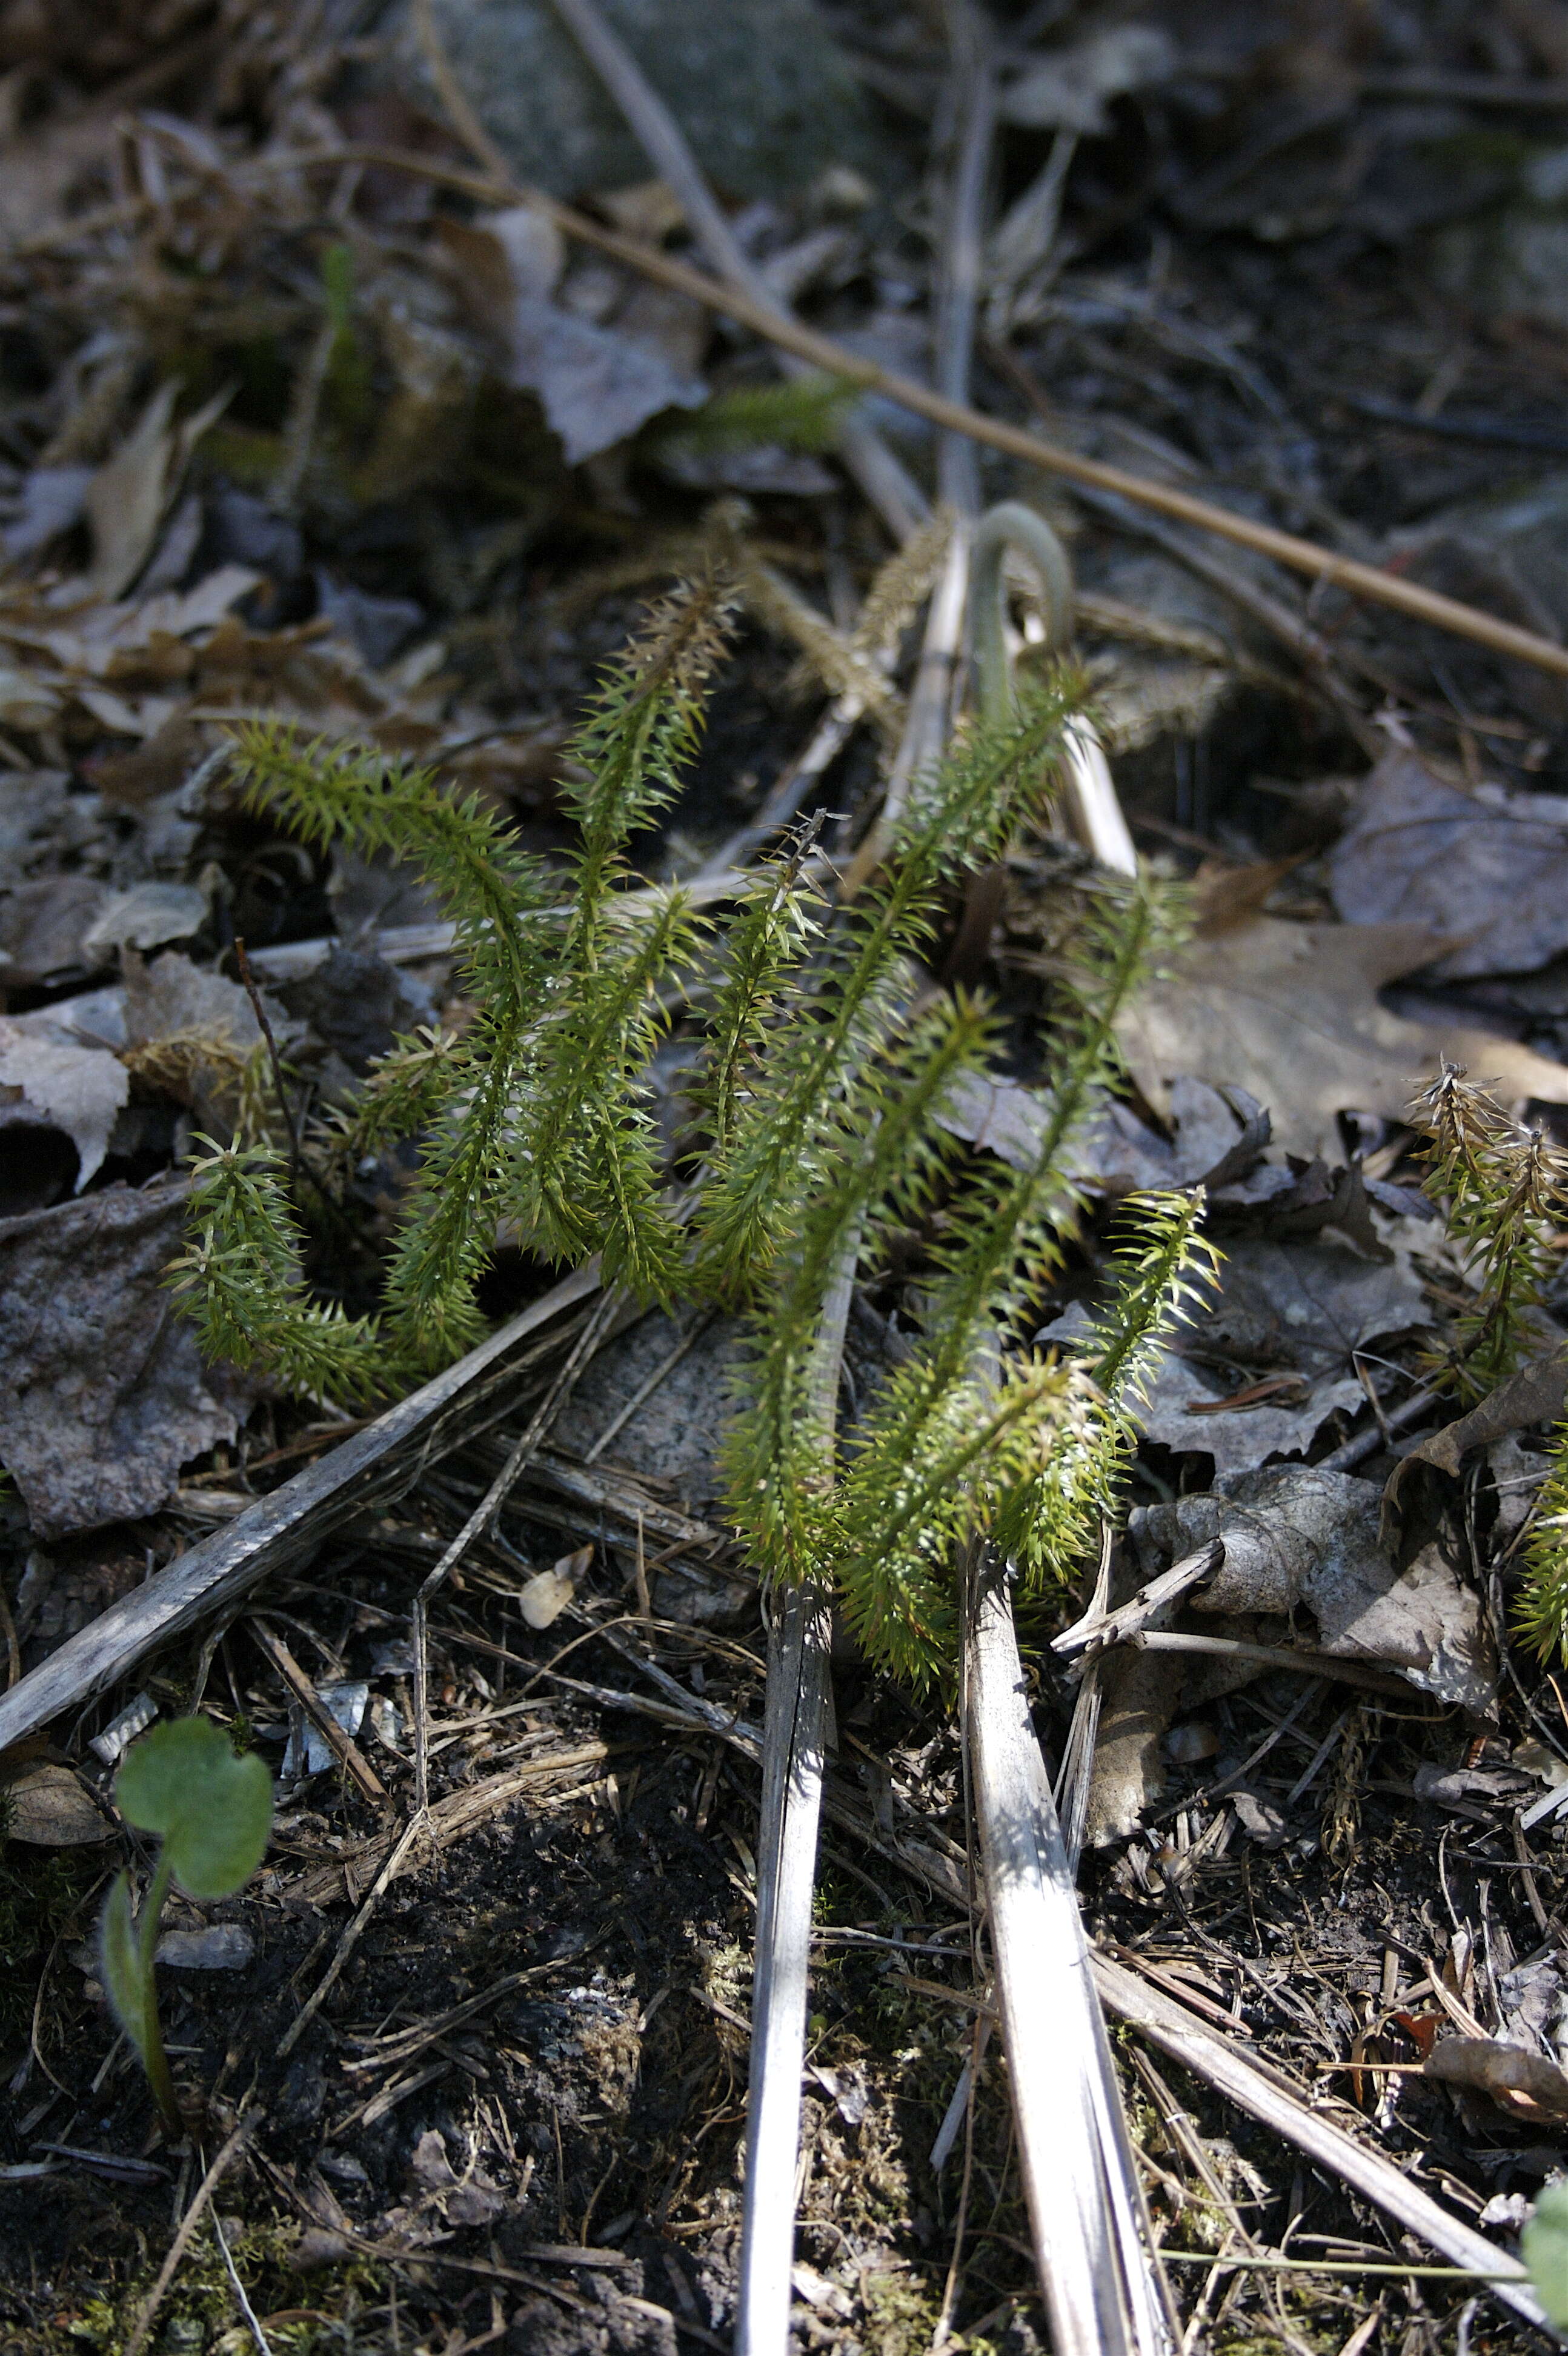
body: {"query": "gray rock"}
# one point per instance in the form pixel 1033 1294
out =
pixel 758 86
pixel 220 1947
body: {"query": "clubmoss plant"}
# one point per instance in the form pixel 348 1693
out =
pixel 827 1060
pixel 1504 1189
pixel 213 1811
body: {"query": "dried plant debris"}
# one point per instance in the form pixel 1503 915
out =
pixel 1258 1368
pixel 1534 1395
pixel 1290 1013
pixel 296 434
pixel 1218 1142
pixel 55 1084
pixel 102 1392
pixel 1306 1565
pixel 1487 867
pixel 1299 1537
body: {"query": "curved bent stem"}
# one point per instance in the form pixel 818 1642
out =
pixel 1089 793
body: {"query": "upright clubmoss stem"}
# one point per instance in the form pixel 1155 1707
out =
pixel 793 1749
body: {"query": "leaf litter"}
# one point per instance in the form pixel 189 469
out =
pixel 352 475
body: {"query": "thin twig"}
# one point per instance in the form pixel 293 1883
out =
pixel 349 1756
pixel 241 2296
pixel 646 1390
pixel 1077 1774
pixel 1266 2094
pixel 790 787
pixel 291 2037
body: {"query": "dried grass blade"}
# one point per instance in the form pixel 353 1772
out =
pixel 1099 2278
pixel 1214 2059
pixel 793 1760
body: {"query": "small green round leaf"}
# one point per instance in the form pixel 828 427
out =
pixel 1544 2246
pixel 213 1810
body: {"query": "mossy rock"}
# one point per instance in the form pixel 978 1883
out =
pixel 760 87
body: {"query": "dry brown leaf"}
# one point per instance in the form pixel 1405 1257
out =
pixel 1226 896
pixel 58 1084
pixel 126 499
pixel 1534 1395
pixel 103 1395
pixel 1290 1011
pixel 1526 2084
pixel 47 1808
pixel 1488 867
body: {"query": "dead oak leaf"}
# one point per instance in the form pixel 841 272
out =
pixel 1290 1011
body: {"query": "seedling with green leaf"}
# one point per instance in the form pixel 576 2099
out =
pixel 214 1811
pixel 1543 2244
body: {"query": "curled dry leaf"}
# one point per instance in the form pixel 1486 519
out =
pixel 146 916
pixel 1258 1371
pixel 51 1083
pixel 1525 2084
pixel 544 1597
pixel 1485 865
pixel 1297 1536
pixel 1534 1395
pixel 126 500
pixel 102 1392
pixel 596 384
